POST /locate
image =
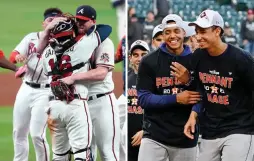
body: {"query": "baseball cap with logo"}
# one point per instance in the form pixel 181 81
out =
pixel 85 13
pixel 157 29
pixel 139 43
pixel 178 23
pixel 209 18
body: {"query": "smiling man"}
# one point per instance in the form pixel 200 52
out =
pixel 135 113
pixel 166 102
pixel 225 73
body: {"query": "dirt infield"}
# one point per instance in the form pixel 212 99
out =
pixel 9 87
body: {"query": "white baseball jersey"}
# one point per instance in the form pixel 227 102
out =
pixel 27 47
pixel 80 52
pixel 103 56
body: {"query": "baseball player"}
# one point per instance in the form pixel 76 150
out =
pixel 4 63
pixel 69 118
pixel 119 5
pixel 157 38
pixel 101 100
pixel 167 103
pixel 122 100
pixel 29 108
pixel 228 116
pixel 135 113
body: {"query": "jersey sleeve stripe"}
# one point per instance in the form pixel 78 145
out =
pixel 13 56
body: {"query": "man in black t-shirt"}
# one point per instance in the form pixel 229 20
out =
pixel 167 103
pixel 225 74
pixel 135 113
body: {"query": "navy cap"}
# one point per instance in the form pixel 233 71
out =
pixel 85 12
pixel 52 14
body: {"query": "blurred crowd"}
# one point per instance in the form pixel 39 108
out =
pixel 144 28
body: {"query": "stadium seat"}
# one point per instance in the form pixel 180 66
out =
pixel 189 10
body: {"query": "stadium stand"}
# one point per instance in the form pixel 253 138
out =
pixel 233 11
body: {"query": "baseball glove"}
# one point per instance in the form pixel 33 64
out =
pixel 62 91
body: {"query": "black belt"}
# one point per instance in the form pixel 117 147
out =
pixel 36 85
pixel 76 96
pixel 90 98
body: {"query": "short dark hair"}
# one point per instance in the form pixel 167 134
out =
pixel 186 39
pixel 150 12
pixel 221 30
pixel 50 10
pixel 157 34
pixel 170 21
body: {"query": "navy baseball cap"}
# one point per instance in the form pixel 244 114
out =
pixel 52 14
pixel 85 13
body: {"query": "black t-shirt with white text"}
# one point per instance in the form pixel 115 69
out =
pixel 227 82
pixel 163 121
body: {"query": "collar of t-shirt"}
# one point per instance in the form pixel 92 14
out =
pixel 185 52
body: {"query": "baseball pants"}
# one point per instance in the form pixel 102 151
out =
pixel 123 142
pixel 121 103
pixel 106 127
pixel 151 150
pixel 71 129
pixel 29 116
pixel 235 147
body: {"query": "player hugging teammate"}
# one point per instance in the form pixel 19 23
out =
pixel 69 117
pixel 79 61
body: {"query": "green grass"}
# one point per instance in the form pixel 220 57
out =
pixel 20 17
pixel 6 143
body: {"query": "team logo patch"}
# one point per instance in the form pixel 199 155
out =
pixel 203 14
pixel 104 57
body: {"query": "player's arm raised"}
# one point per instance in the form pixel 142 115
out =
pixel 44 37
